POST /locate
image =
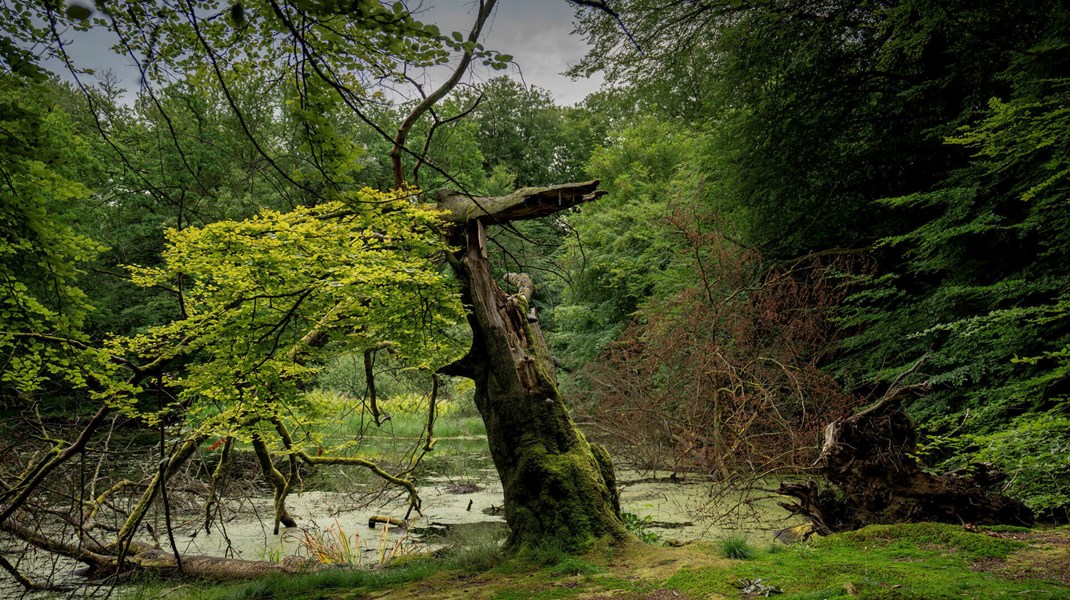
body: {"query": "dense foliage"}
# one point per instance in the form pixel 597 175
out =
pixel 930 139
pixel 804 199
pixel 42 257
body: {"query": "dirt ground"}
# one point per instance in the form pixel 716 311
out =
pixel 1046 557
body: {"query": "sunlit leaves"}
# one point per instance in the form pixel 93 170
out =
pixel 264 298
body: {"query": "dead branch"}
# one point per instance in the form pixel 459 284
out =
pixel 38 473
pixel 213 489
pixel 369 376
pixel 277 480
pixel 525 203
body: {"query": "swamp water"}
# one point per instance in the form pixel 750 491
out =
pixel 680 511
pixel 676 510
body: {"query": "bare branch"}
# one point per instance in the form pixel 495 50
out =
pixel 601 5
pixel 485 9
pixel 369 375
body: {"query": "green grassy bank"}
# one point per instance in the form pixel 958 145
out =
pixel 900 561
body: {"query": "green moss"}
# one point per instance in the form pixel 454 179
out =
pixel 543 594
pixel 881 562
pixel 575 566
pixel 951 537
pixel 562 499
pixel 609 475
pixel 688 580
pixel 924 560
pixel 549 573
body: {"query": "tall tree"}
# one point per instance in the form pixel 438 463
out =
pixel 558 487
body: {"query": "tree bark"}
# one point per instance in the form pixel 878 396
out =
pixel 559 488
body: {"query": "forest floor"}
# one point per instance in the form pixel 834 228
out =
pixel 926 561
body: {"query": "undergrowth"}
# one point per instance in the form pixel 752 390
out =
pixel 924 560
pixel 736 547
pixel 640 528
pixel 323 584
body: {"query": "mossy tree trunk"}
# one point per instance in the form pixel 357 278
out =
pixel 559 488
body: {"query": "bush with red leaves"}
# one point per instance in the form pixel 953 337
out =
pixel 724 375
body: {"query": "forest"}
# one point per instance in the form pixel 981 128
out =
pixel 325 256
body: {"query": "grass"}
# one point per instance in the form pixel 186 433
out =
pixel 736 547
pixel 326 584
pixel 460 438
pixel 474 548
pixel 902 561
pixel 347 428
pixel 880 562
pixel 455 431
pixel 333 546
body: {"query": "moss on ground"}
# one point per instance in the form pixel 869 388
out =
pixel 925 560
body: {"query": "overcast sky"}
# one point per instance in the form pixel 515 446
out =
pixel 538 33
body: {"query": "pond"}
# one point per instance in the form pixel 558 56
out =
pixel 463 493
pixel 675 509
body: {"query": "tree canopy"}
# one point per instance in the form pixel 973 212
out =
pixel 923 140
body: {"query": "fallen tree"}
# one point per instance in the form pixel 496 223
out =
pixel 872 460
pixel 103 561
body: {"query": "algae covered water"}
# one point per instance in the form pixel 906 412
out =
pixel 462 493
pixel 676 510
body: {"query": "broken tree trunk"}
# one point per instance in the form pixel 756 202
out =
pixel 559 488
pixel 871 457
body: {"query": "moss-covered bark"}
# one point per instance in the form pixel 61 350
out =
pixel 559 488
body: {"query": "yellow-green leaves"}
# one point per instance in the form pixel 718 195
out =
pixel 265 298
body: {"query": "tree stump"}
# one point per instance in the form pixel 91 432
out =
pixel 559 488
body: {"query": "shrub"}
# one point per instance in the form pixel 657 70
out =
pixel 1035 453
pixel 639 527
